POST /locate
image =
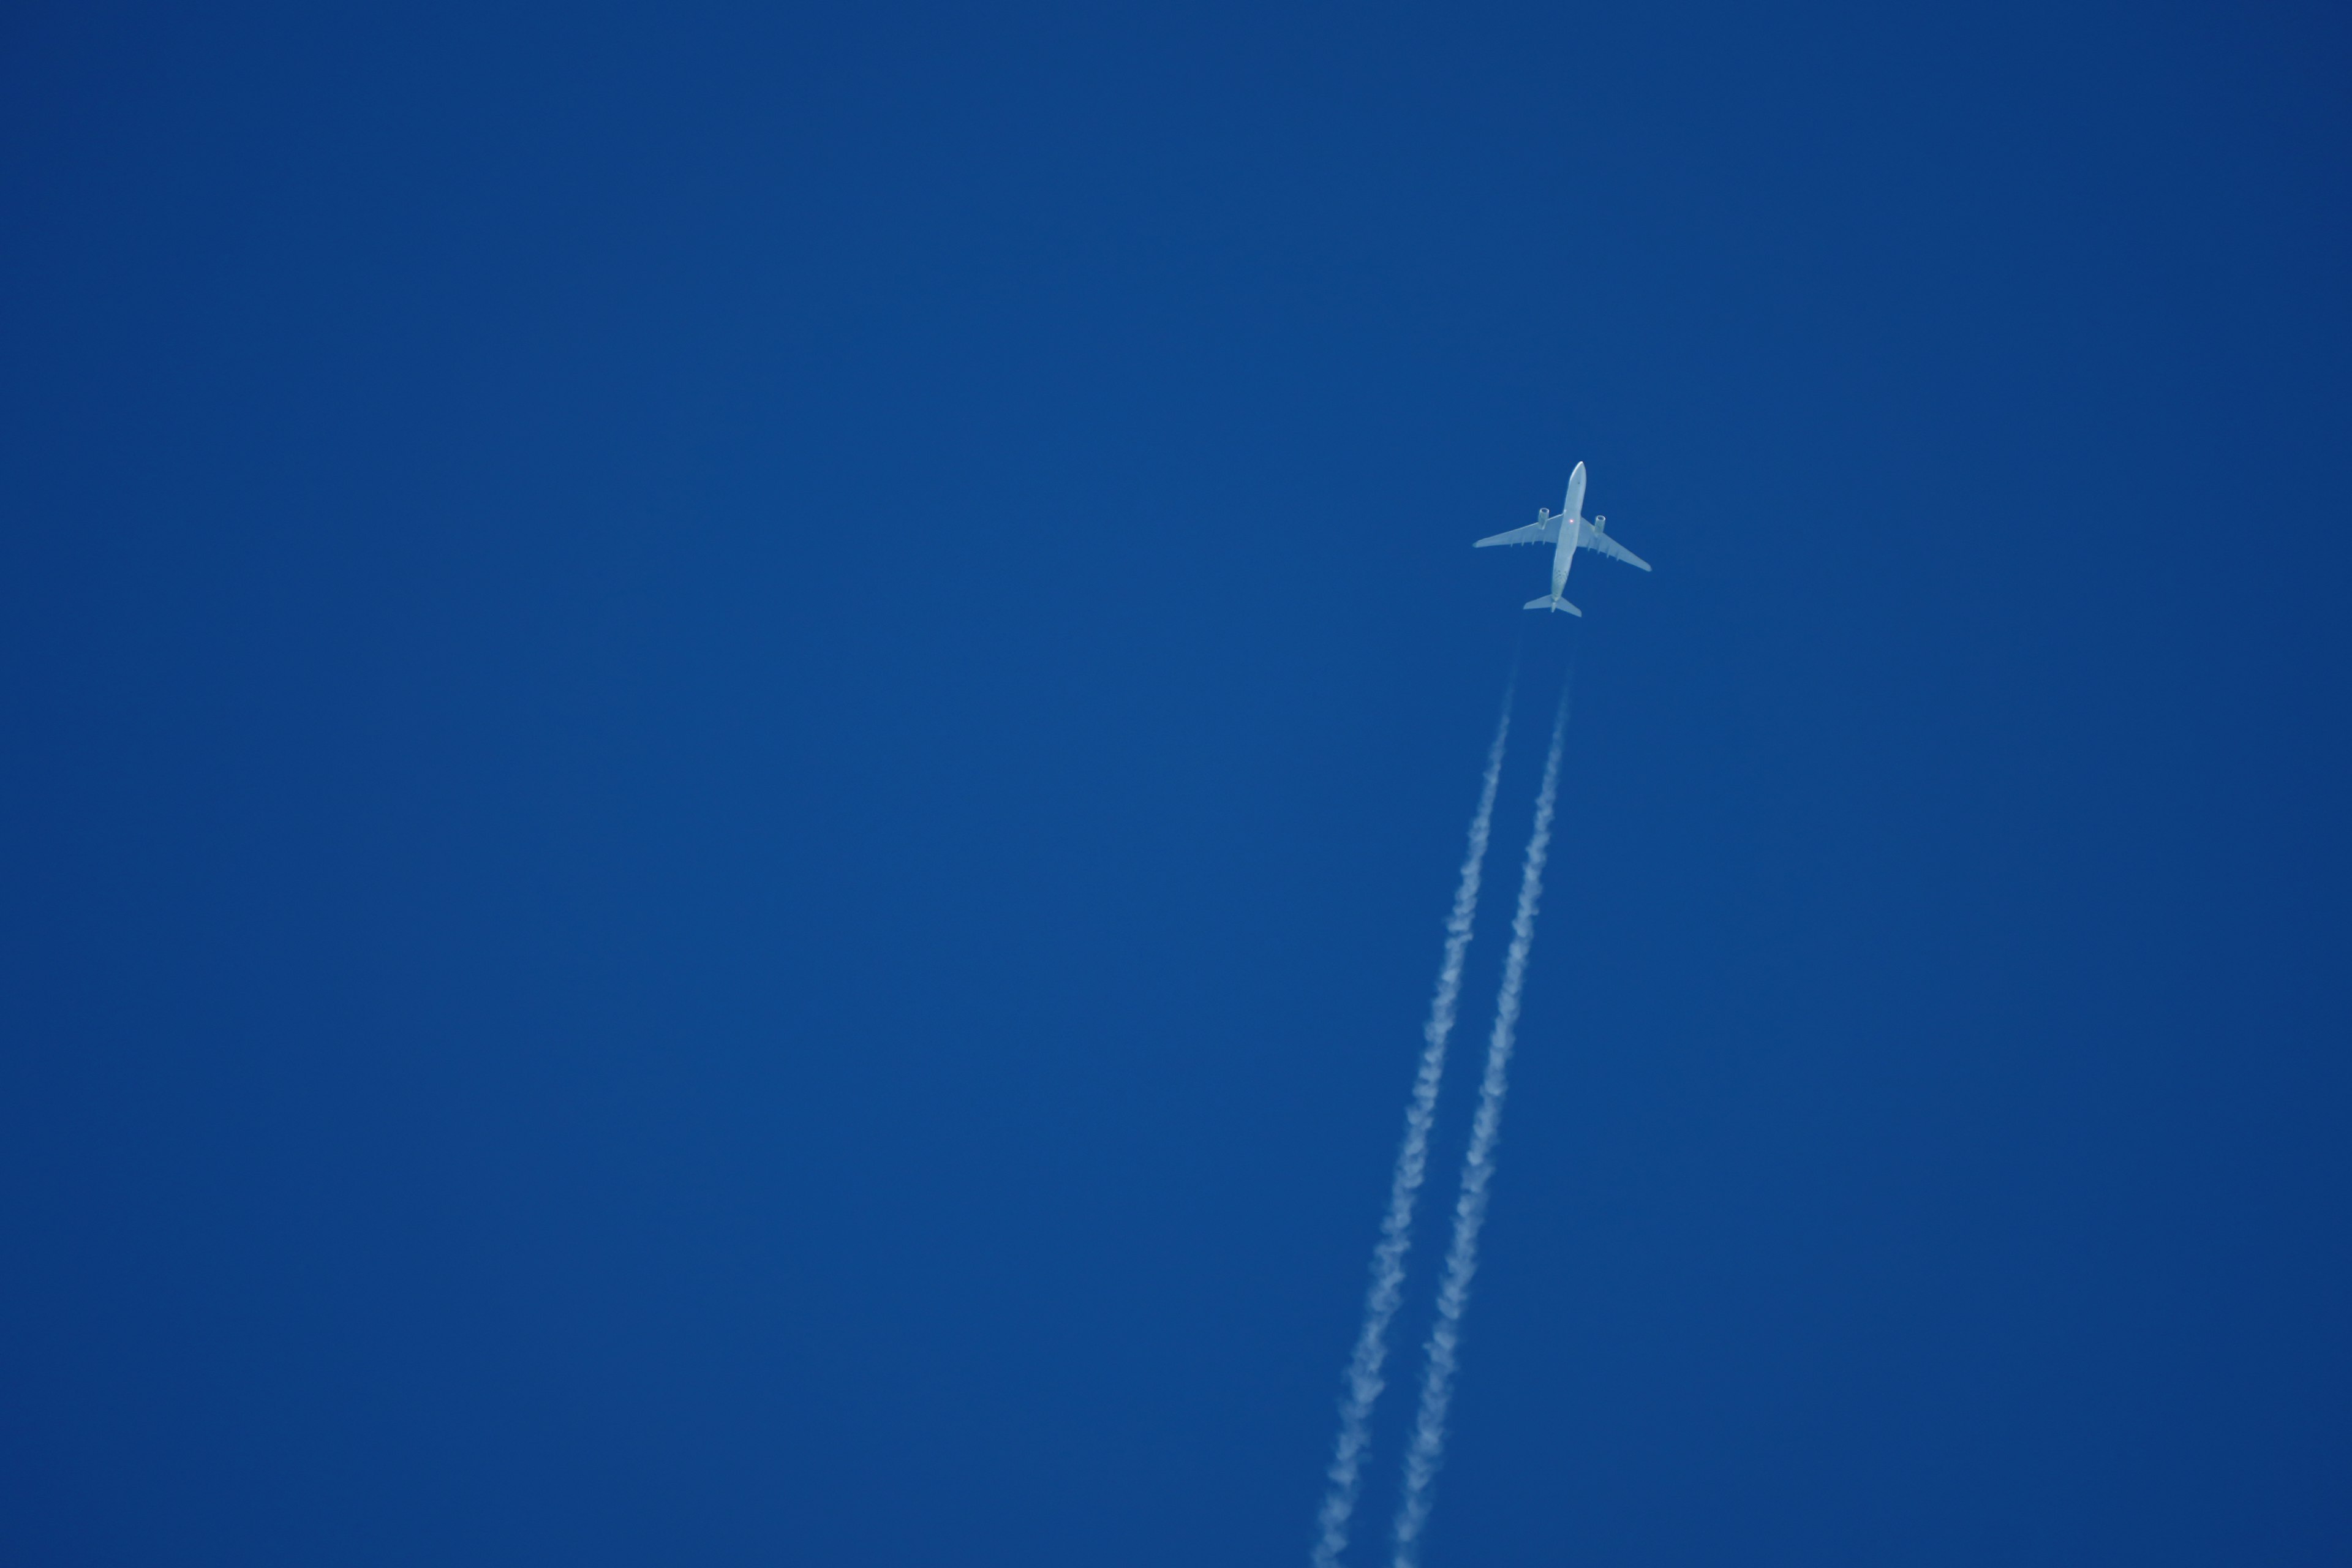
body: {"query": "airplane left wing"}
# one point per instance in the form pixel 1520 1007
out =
pixel 1544 530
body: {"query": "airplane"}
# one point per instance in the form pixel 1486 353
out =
pixel 1574 533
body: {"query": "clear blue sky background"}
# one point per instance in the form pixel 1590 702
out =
pixel 736 735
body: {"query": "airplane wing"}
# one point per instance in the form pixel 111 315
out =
pixel 1591 538
pixel 1545 531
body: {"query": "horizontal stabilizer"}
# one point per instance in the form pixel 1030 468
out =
pixel 1549 602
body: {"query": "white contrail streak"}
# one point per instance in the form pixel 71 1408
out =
pixel 1363 1385
pixel 1428 1450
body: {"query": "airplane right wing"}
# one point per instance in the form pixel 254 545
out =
pixel 1592 538
pixel 1544 530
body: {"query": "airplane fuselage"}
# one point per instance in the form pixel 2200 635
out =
pixel 1571 527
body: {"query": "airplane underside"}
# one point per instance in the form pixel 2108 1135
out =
pixel 1567 532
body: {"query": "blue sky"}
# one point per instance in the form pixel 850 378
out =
pixel 738 736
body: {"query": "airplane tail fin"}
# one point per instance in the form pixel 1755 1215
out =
pixel 1551 602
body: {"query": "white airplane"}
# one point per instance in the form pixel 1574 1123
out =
pixel 1574 533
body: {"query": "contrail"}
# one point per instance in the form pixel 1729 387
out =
pixel 1363 1382
pixel 1428 1450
